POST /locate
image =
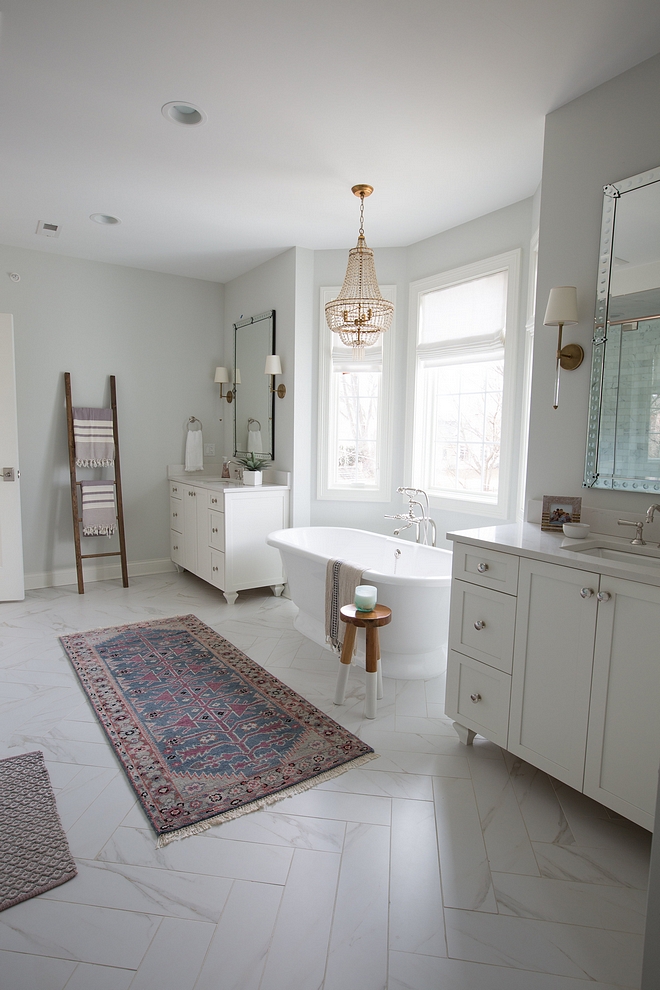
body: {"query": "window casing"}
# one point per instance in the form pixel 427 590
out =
pixel 354 413
pixel 461 386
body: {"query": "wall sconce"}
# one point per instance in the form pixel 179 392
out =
pixel 561 311
pixel 222 378
pixel 274 367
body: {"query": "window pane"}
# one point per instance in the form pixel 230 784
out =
pixel 469 309
pixel 353 458
pixel 459 413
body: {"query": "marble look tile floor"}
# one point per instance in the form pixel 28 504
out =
pixel 436 867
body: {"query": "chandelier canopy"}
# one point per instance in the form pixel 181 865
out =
pixel 359 314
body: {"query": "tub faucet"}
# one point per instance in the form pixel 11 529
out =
pixel 425 531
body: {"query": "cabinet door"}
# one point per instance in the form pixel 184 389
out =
pixel 190 529
pixel 249 518
pixel 623 750
pixel 552 664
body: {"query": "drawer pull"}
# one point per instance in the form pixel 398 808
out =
pixel 175 547
pixel 603 596
pixel 175 489
pixel 479 625
pixel 586 593
pixel 482 567
pixel 215 568
pixel 175 514
pixel 475 698
pixel 213 501
pixel 213 529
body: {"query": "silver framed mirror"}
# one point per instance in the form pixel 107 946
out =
pixel 623 440
pixel 254 402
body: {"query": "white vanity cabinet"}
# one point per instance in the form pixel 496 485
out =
pixel 219 532
pixel 578 694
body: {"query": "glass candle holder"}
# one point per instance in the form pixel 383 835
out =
pixel 365 597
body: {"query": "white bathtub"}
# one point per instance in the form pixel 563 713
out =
pixel 415 586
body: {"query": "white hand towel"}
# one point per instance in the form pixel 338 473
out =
pixel 254 444
pixel 194 451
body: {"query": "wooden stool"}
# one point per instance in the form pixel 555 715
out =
pixel 354 618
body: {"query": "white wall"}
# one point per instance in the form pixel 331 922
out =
pixel 493 234
pixel 160 335
pixel 604 136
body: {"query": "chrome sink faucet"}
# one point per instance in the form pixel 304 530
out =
pixel 650 513
pixel 639 527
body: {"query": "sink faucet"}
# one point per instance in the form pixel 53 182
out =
pixel 639 527
pixel 650 512
pixel 425 530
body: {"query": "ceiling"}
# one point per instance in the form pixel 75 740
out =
pixel 438 104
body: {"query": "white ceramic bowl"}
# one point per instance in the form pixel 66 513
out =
pixel 576 531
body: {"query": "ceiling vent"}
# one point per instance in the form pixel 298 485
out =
pixel 48 229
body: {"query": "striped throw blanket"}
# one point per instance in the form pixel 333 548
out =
pixel 93 436
pixel 341 580
pixel 99 514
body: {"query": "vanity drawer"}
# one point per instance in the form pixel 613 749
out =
pixel 478 697
pixel 216 526
pixel 481 624
pixel 216 500
pixel 218 568
pixel 489 568
pixel 176 514
pixel 176 489
pixel 176 547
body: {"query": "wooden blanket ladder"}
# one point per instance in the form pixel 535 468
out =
pixel 76 498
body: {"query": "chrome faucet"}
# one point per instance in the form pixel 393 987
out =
pixel 650 512
pixel 425 529
pixel 639 527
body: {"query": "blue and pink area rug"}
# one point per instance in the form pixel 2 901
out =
pixel 203 733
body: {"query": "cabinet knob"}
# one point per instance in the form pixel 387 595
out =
pixel 213 529
pixel 175 548
pixel 175 489
pixel 482 567
pixel 215 568
pixel 213 501
pixel 603 596
pixel 586 592
pixel 479 625
pixel 475 698
pixel 175 514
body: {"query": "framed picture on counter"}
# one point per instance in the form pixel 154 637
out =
pixel 559 509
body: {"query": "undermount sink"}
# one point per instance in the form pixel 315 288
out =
pixel 617 550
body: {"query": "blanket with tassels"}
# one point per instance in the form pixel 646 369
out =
pixel 341 580
pixel 94 437
pixel 99 513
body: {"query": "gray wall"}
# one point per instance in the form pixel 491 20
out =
pixel 160 335
pixel 607 134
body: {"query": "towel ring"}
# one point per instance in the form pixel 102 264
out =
pixel 254 421
pixel 193 419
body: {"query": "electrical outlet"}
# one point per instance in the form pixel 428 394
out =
pixel 209 449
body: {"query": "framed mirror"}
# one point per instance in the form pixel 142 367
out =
pixel 623 442
pixel 254 403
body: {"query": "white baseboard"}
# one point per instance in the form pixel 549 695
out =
pixel 95 572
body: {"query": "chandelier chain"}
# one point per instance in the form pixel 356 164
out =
pixel 361 230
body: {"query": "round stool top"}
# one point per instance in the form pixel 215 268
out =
pixel 381 615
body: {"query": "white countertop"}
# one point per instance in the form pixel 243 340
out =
pixel 529 540
pixel 219 484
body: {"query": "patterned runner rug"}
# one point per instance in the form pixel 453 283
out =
pixel 204 734
pixel 34 853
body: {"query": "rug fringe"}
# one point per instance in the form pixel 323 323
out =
pixel 264 802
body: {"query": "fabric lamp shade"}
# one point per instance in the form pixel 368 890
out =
pixel 237 376
pixel 273 365
pixel 221 376
pixel 562 307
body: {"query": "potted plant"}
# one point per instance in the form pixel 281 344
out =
pixel 252 468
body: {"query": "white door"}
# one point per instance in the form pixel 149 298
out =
pixel 552 663
pixel 11 542
pixel 623 749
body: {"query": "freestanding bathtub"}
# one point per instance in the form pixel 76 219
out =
pixel 414 583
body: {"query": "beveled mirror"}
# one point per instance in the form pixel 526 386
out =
pixel 254 405
pixel 623 443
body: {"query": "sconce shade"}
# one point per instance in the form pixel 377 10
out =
pixel 273 365
pixel 562 307
pixel 221 376
pixel 237 376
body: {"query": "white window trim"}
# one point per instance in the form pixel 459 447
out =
pixel 357 493
pixel 504 508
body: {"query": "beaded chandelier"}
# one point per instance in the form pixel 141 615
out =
pixel 359 314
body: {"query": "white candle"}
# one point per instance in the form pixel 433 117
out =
pixel 365 597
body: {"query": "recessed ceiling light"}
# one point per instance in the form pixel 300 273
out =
pixel 183 113
pixel 104 218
